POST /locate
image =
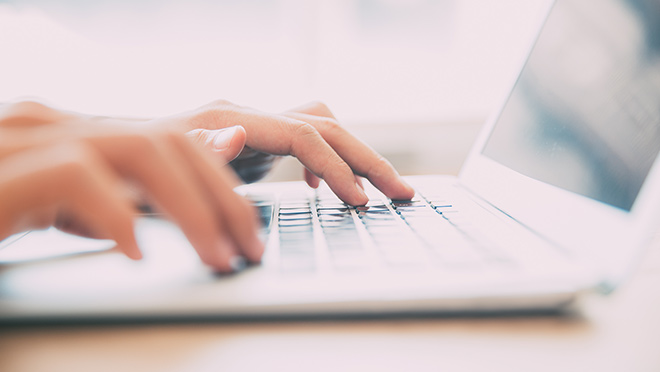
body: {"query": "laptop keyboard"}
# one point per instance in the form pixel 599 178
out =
pixel 322 231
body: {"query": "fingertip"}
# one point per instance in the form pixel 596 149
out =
pixel 136 255
pixel 223 257
pixel 396 189
pixel 362 197
pixel 255 250
pixel 407 191
pixel 358 197
pixel 237 263
pixel 311 179
pixel 131 250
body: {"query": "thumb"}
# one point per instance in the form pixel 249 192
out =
pixel 226 143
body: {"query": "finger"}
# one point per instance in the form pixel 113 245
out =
pixel 311 179
pixel 72 177
pixel 362 159
pixel 67 222
pixel 96 202
pixel 226 143
pixel 280 135
pixel 238 218
pixel 150 159
pixel 30 113
pixel 318 157
pixel 284 136
pixel 392 185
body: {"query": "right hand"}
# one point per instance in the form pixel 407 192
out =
pixel 75 175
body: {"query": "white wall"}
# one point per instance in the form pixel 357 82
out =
pixel 413 78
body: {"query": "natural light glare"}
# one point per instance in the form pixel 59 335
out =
pixel 371 61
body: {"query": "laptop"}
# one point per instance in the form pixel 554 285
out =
pixel 559 197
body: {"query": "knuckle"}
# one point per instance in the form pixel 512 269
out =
pixel 320 105
pixel 330 125
pixel 75 163
pixel 304 130
pixel 321 108
pixel 26 107
pixel 172 137
pixel 198 136
pixel 212 116
pixel 222 103
pixel 27 110
pixel 302 134
pixel 140 145
pixel 334 165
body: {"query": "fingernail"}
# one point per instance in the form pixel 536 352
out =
pixel 237 263
pixel 137 255
pixel 223 137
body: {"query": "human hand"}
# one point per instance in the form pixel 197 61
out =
pixel 310 133
pixel 228 146
pixel 75 176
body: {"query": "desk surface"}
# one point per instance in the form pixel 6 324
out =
pixel 620 332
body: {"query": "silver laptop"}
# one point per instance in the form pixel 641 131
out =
pixel 559 196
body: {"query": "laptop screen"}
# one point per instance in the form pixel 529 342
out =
pixel 584 114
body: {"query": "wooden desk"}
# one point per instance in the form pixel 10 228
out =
pixel 616 333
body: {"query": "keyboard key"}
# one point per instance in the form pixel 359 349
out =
pixel 261 198
pixel 296 229
pixel 410 257
pixel 284 218
pixel 265 213
pixel 408 203
pixel 440 203
pixel 297 236
pixel 294 205
pixel 332 205
pixel 289 211
pixel 335 218
pixel 381 226
pixel 333 211
pixel 296 249
pixel 350 261
pixel 456 250
pixel 445 209
pixel 347 245
pixel 412 211
pixel 378 215
pixel 293 264
pixel 372 206
pixel 329 226
pixel 373 210
pixel 341 237
pixel 297 222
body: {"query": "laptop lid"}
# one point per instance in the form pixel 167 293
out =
pixel 572 153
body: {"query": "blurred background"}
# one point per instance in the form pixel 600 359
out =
pixel 415 79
